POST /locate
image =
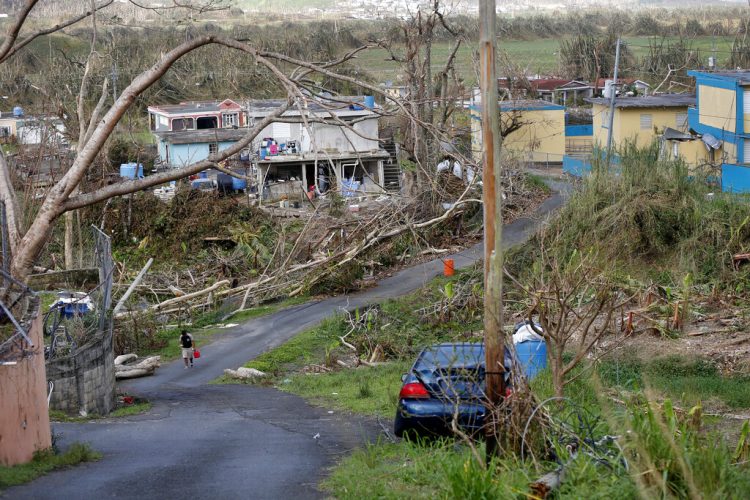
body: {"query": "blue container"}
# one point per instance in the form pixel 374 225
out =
pixel 263 153
pixel 131 170
pixel 532 356
pixel 203 175
pixel 238 184
pixel 370 101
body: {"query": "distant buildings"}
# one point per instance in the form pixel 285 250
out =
pixel 17 126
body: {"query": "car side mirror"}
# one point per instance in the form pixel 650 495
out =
pixel 403 377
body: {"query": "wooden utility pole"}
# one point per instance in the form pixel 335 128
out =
pixel 494 346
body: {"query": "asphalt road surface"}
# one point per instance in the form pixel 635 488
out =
pixel 218 442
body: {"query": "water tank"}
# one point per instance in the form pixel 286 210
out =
pixel 532 356
pixel 17 111
pixel 131 170
pixel 609 87
pixel 370 101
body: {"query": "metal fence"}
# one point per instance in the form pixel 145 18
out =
pixel 76 317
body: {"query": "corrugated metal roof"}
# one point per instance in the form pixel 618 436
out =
pixel 650 101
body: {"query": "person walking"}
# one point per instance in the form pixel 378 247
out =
pixel 188 347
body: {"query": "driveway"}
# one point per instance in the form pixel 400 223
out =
pixel 203 440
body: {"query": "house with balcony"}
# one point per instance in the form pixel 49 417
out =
pixel 324 143
pixel 721 116
pixel 321 144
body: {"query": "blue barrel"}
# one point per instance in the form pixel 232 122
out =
pixel 532 356
pixel 238 184
pixel 203 175
pixel 370 101
pixel 131 170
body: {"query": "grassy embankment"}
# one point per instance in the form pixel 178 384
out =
pixel 653 225
pixel 44 462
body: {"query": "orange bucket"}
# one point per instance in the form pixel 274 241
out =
pixel 448 268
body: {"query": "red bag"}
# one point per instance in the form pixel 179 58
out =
pixel 196 354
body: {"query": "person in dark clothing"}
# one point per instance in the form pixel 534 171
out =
pixel 187 344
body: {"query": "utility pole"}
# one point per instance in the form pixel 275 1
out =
pixel 611 116
pixel 494 345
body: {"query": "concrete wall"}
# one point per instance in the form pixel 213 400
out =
pixel 86 379
pixel 718 107
pixel 24 419
pixel 541 138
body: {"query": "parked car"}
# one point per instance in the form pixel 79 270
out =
pixel 446 380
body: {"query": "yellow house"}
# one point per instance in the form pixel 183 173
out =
pixel 533 130
pixel 640 119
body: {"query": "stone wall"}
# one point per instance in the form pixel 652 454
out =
pixel 85 380
pixel 24 420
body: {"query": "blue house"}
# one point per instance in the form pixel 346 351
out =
pixel 181 148
pixel 722 117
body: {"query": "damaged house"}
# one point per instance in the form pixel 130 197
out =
pixel 331 143
pixel 188 132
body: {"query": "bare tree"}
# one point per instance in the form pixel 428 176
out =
pixel 431 98
pixel 575 304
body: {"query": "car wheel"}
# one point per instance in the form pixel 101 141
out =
pixel 400 425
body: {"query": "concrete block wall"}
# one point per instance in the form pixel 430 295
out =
pixel 85 380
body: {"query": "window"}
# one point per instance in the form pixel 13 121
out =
pixel 182 124
pixel 213 148
pixel 647 121
pixel 5 132
pixel 681 121
pixel 230 120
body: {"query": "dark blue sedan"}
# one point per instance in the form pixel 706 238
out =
pixel 446 380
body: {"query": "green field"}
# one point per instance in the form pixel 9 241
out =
pixel 533 56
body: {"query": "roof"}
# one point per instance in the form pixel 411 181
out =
pixel 203 136
pixel 600 82
pixel 543 84
pixel 193 107
pixel 528 105
pixel 351 105
pixel 742 76
pixel 650 101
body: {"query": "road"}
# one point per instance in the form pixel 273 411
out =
pixel 211 441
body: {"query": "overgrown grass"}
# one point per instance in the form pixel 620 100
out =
pixel 651 219
pixel 420 470
pixel 366 390
pixel 44 462
pixel 689 381
pixel 301 349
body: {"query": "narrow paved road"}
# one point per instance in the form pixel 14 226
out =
pixel 234 441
